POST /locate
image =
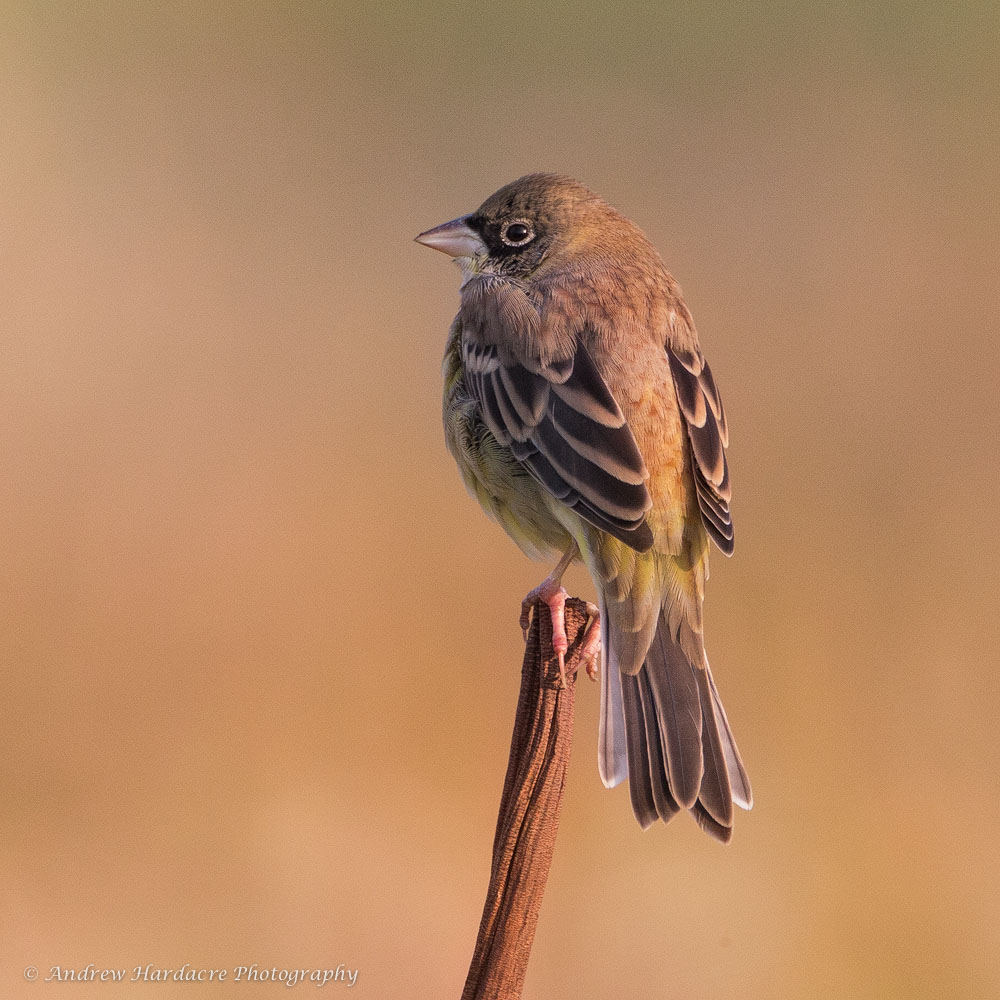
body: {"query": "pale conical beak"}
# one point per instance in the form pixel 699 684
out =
pixel 454 238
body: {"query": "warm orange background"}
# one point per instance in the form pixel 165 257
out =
pixel 259 650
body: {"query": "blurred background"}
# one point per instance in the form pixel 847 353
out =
pixel 260 651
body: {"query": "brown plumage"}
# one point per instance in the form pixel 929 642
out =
pixel 585 419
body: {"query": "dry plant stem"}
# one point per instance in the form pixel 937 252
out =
pixel 529 809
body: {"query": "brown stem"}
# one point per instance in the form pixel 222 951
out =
pixel 529 810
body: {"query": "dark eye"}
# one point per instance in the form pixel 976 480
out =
pixel 516 233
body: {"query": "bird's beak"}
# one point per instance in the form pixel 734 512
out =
pixel 454 238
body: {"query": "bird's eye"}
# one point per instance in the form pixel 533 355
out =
pixel 517 233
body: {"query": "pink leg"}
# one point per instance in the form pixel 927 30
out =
pixel 551 591
pixel 554 595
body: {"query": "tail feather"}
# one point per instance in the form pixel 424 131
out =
pixel 716 793
pixel 723 834
pixel 640 785
pixel 742 794
pixel 666 804
pixel 665 729
pixel 678 708
pixel 611 753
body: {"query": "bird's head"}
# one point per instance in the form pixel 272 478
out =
pixel 528 226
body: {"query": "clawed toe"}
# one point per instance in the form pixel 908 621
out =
pixel 527 614
pixel 554 597
pixel 591 649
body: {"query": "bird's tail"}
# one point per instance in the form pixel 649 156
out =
pixel 664 728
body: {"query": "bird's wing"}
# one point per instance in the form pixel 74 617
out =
pixel 560 420
pixel 701 406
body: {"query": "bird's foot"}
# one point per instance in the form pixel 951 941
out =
pixel 553 595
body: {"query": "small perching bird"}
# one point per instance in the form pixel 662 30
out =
pixel 585 419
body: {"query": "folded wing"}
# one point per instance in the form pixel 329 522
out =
pixel 560 420
pixel 701 407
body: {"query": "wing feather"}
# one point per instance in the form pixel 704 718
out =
pixel 623 462
pixel 527 391
pixel 561 421
pixel 623 501
pixel 701 406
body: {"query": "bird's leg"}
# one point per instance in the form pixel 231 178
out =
pixel 551 591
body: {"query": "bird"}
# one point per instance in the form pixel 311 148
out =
pixel 585 420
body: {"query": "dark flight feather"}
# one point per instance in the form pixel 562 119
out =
pixel 527 391
pixel 568 431
pixel 666 804
pixel 675 694
pixel 623 461
pixel 717 519
pixel 701 406
pixel 716 793
pixel 640 786
pixel 711 826
pixel 742 793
